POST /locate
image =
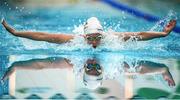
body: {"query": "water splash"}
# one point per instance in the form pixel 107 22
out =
pixel 161 24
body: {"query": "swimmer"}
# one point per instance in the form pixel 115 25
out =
pixel 93 33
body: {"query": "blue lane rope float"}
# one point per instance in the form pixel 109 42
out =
pixel 136 12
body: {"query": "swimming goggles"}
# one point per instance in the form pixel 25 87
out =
pixel 91 38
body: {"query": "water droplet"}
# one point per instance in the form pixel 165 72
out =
pixel 123 12
pixel 68 28
pixel 79 21
pixel 124 17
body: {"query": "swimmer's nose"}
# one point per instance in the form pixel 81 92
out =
pixel 94 44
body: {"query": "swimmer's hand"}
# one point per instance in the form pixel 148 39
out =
pixel 3 22
pixel 170 26
pixel 7 27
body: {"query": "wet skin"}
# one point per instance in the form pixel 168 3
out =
pixel 168 28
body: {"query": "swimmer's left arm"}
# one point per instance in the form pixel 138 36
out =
pixel 148 35
pixel 141 36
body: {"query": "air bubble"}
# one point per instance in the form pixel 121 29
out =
pixel 79 21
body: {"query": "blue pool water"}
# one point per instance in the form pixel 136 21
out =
pixel 111 54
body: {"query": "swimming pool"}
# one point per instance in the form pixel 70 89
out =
pixel 69 19
pixel 59 20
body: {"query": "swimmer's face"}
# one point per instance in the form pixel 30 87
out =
pixel 93 68
pixel 94 39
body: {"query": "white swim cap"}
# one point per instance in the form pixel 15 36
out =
pixel 93 25
pixel 92 82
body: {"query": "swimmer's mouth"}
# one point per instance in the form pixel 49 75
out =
pixel 94 46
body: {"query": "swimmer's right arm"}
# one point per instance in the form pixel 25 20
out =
pixel 39 36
